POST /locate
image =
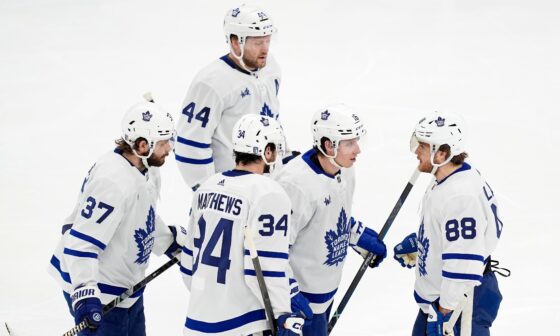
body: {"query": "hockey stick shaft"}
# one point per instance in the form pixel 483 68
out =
pixel 370 256
pixel 260 278
pixel 128 293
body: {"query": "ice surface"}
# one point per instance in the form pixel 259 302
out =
pixel 69 69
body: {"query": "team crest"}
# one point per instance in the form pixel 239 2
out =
pixel 440 121
pixel 146 116
pixel 145 239
pixel 337 242
pixel 325 115
pixel 235 12
pixel 423 249
pixel 245 93
pixel 265 121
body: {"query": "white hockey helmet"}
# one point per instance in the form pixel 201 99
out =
pixel 335 122
pixel 437 129
pixel 148 121
pixel 252 133
pixel 245 21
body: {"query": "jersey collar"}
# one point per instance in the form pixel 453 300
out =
pixel 120 152
pixel 232 64
pixel 236 172
pixel 308 158
pixel 464 166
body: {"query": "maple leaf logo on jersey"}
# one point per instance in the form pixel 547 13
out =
pixel 325 115
pixel 144 238
pixel 440 121
pixel 235 12
pixel 146 116
pixel 245 93
pixel 423 249
pixel 337 242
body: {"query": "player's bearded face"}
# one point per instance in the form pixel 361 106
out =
pixel 162 149
pixel 423 155
pixel 256 51
pixel 347 152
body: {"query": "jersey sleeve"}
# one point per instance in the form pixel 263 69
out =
pixel 463 252
pixel 163 238
pixel 269 221
pixel 201 114
pixel 186 256
pixel 97 217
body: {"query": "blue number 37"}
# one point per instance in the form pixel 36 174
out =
pixel 87 212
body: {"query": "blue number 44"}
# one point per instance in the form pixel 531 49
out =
pixel 222 262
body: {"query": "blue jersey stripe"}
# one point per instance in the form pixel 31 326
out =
pixel 269 254
pixel 192 143
pixel 193 161
pixel 221 326
pixel 461 276
pixel 80 254
pixel 292 280
pixel 185 270
pixel 56 263
pixel 87 238
pixel 462 256
pixel 319 298
pixel 187 251
pixel 419 299
pixel 116 291
pixel 271 274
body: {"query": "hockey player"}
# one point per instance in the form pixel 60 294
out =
pixel 114 227
pixel 215 262
pixel 245 81
pixel 320 184
pixel 459 229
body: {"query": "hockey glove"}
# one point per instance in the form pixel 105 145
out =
pixel 179 240
pixel 406 251
pixel 436 319
pixel 369 242
pixel 300 306
pixel 289 325
pixel 87 306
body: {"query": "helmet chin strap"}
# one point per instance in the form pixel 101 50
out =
pixel 331 157
pixel 435 166
pixel 144 158
pixel 240 59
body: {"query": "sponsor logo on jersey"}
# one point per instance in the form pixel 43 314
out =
pixel 440 122
pixel 328 200
pixel 235 12
pixel 145 239
pixel 146 116
pixel 221 183
pixel 423 250
pixel 245 93
pixel 325 115
pixel 337 242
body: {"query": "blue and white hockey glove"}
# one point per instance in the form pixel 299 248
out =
pixel 436 319
pixel 300 306
pixel 407 251
pixel 289 325
pixel 369 242
pixel 179 240
pixel 87 306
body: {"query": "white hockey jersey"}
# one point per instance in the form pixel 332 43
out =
pixel 218 96
pixel 224 294
pixel 459 230
pixel 321 228
pixel 112 230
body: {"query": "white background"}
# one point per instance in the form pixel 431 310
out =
pixel 70 69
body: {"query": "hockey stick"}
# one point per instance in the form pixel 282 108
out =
pixel 7 328
pixel 370 257
pixel 464 308
pixel 260 278
pixel 108 307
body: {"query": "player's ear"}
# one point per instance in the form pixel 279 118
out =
pixel 270 153
pixel 328 145
pixel 142 146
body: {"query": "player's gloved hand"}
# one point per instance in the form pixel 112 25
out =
pixel 87 306
pixel 407 251
pixel 369 242
pixel 179 240
pixel 436 319
pixel 300 305
pixel 289 325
